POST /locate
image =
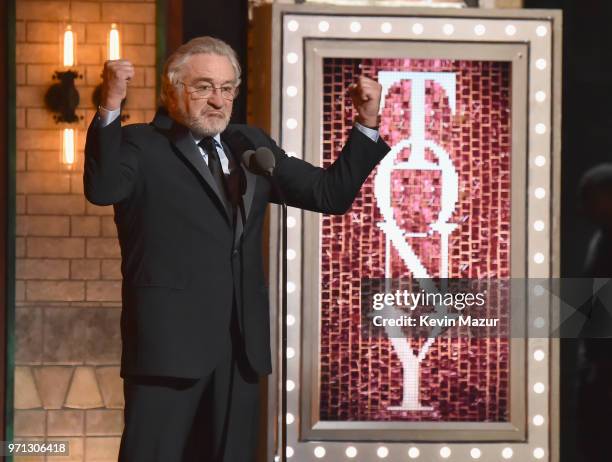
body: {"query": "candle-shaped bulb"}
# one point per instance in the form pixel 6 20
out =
pixel 68 46
pixel 68 147
pixel 113 43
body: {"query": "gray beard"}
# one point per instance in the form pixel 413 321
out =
pixel 201 130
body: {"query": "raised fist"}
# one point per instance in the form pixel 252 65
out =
pixel 366 99
pixel 115 77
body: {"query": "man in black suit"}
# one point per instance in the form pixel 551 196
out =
pixel 195 321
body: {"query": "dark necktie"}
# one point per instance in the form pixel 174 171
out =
pixel 214 164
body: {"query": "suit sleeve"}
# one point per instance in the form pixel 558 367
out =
pixel 330 190
pixel 111 163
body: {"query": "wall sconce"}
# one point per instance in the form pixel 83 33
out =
pixel 113 52
pixel 62 98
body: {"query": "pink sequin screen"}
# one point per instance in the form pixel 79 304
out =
pixel 362 379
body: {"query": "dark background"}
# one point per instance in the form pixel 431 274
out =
pixel 227 20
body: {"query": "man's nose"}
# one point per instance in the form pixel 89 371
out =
pixel 215 99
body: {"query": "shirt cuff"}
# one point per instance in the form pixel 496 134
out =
pixel 107 116
pixel 367 131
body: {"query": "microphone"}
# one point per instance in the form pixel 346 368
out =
pixel 259 162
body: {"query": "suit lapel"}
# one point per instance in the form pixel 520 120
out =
pixel 247 188
pixel 238 143
pixel 183 141
pixel 250 190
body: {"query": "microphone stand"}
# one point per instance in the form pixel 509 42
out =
pixel 262 162
pixel 283 317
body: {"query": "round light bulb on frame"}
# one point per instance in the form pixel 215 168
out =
pixel 448 29
pixel 292 124
pixel 417 28
pixel 540 161
pixel 539 322
pixel 292 91
pixel 290 353
pixel 538 453
pixel 507 453
pixel 538 420
pixel 541 31
pixel 382 452
pixel 293 25
pixel 319 452
pixel 475 453
pixel 540 128
pixel 445 452
pixel 541 64
pixel 323 26
pixel 386 27
pixel 290 385
pixel 510 29
pixel 351 452
pixel 538 258
pixel 289 419
pixel 538 290
pixel 414 453
pixel 480 29
pixel 538 225
pixel 289 452
pixel 290 287
pixel 290 320
pixel 355 26
pixel 539 355
pixel 291 221
pixel 539 193
pixel 292 57
pixel 539 388
pixel 540 96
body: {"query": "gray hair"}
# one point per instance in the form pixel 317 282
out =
pixel 198 45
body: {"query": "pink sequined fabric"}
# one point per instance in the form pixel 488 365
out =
pixel 461 379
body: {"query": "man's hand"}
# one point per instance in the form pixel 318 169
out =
pixel 366 99
pixel 115 78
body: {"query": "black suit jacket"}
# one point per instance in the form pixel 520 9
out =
pixel 182 265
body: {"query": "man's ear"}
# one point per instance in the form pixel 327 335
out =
pixel 171 105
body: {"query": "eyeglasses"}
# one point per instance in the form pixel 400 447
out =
pixel 205 89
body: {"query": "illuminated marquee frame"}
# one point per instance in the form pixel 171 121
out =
pixel 299 37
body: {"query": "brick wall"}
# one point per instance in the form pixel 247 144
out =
pixel 67 383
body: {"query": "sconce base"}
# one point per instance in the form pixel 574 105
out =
pixel 62 98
